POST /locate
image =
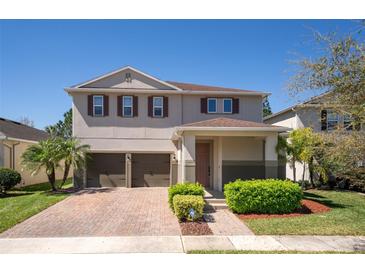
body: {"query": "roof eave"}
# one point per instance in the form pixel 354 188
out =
pixel 71 90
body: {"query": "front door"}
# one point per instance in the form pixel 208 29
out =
pixel 202 152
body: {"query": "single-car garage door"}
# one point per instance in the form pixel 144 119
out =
pixel 150 170
pixel 106 170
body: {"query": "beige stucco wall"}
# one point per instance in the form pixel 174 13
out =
pixel 250 109
pixel 27 179
pixel 118 81
pixel 143 133
pixel 242 149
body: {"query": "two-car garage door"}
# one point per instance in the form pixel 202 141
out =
pixel 148 170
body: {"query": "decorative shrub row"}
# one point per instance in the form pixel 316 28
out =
pixel 187 188
pixel 268 196
pixel 8 179
pixel 188 207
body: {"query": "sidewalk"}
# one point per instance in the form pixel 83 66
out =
pixel 179 244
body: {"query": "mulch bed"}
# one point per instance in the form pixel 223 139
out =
pixel 308 207
pixel 195 228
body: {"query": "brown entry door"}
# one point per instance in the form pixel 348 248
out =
pixel 202 152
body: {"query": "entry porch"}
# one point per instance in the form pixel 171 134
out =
pixel 216 155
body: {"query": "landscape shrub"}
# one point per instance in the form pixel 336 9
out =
pixel 270 196
pixel 187 188
pixel 183 204
pixel 8 179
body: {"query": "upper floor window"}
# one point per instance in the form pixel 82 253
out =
pixel 227 105
pixel 127 106
pixel 347 122
pixel 98 105
pixel 212 105
pixel 332 120
pixel 157 106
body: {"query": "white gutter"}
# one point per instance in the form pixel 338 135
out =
pixel 5 138
pixel 167 91
pixel 179 130
pixel 248 129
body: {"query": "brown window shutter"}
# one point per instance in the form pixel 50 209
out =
pixel 165 106
pixel 119 105
pixel 90 105
pixel 106 105
pixel 235 105
pixel 203 105
pixel 135 106
pixel 150 106
pixel 324 119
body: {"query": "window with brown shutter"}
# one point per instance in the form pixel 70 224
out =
pixel 119 105
pixel 324 119
pixel 106 105
pixel 203 105
pixel 150 106
pixel 235 105
pixel 165 106
pixel 90 105
pixel 135 106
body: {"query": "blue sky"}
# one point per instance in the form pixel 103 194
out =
pixel 38 58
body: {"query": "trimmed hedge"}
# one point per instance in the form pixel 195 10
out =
pixel 186 188
pixel 184 203
pixel 8 179
pixel 270 196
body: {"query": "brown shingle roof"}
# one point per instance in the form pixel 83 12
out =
pixel 227 122
pixel 189 86
pixel 13 129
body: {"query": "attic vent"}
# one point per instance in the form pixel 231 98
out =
pixel 128 77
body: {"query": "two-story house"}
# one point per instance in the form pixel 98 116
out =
pixel 315 113
pixel 147 132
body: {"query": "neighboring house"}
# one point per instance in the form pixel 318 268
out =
pixel 147 132
pixel 314 113
pixel 15 138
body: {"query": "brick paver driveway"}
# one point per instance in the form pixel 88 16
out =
pixel 103 212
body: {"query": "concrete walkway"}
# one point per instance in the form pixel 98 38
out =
pixel 179 244
pixel 224 222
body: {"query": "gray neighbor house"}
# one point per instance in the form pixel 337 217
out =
pixel 315 113
pixel 143 131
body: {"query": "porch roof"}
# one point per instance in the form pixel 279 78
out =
pixel 228 124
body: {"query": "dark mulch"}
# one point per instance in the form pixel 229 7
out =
pixel 195 228
pixel 308 207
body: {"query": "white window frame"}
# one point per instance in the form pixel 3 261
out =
pixel 154 107
pixel 131 106
pixel 95 105
pixel 228 99
pixel 337 120
pixel 216 105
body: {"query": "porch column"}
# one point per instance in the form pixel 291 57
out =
pixel 128 169
pixel 217 163
pixel 188 158
pixel 271 157
pixel 173 169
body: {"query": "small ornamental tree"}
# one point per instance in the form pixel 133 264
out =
pixel 339 72
pixel 46 154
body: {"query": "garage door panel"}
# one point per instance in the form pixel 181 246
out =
pixel 106 170
pixel 150 170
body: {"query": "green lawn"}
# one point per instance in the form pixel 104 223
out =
pixel 20 204
pixel 270 252
pixel 347 217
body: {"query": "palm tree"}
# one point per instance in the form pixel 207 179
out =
pixel 46 154
pixel 73 154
